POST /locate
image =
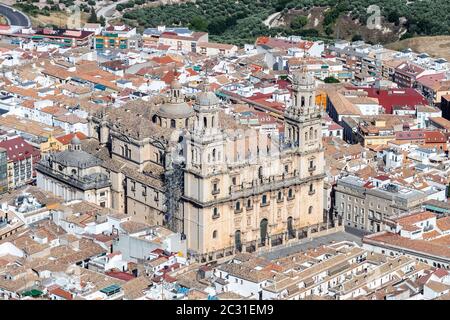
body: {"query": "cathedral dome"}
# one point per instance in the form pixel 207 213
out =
pixel 75 141
pixel 207 99
pixel 175 110
pixel 176 107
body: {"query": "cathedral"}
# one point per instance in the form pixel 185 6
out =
pixel 224 187
pixel 242 191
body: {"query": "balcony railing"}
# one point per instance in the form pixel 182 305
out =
pixel 73 181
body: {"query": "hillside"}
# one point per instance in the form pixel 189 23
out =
pixel 240 21
pixel 437 46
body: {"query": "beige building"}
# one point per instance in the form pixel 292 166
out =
pixel 241 192
pixel 224 186
pixel 74 174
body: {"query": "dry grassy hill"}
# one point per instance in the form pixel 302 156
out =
pixel 437 46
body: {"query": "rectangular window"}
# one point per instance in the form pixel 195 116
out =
pixel 215 188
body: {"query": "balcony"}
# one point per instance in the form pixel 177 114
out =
pixel 311 169
pixel 215 191
pixel 236 211
pixel 311 192
pixel 216 216
pixel 93 181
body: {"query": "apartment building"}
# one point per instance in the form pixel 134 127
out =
pixel 366 204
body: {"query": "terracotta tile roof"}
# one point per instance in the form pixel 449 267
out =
pixel 415 218
pixel 18 149
pixel 66 139
pixel 425 247
pixel 61 293
pixel 443 223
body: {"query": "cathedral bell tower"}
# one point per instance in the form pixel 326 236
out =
pixel 206 145
pixel 302 118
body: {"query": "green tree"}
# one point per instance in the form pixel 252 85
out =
pixel 102 21
pixel 299 22
pixel 199 24
pixel 357 37
pixel 93 17
pixel 331 80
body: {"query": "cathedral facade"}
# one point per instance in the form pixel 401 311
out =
pixel 224 187
pixel 242 190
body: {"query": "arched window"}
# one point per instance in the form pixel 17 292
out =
pixel 215 212
pixel 249 203
pixel 280 196
pixel 310 210
pixel 306 136
pixel 214 234
pixel 237 240
pixel 237 206
pixel 172 123
pixel 311 188
pixel 263 230
pixel 290 228
pixel 303 101
pixel 154 118
pixel 214 154
pixel 205 122
pixel 260 172
pixel 290 193
pixel 212 121
pixel 311 133
pixel 186 123
pixel 315 134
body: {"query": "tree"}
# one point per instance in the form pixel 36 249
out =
pixel 299 22
pixel 199 24
pixel 331 80
pixel 102 21
pixel 93 17
pixel 357 37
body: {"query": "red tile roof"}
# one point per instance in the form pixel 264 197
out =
pixel 163 60
pixel 61 293
pixel 435 137
pixel 415 218
pixel 18 149
pixel 120 275
pixel 66 139
pixel 391 239
pixel 396 97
